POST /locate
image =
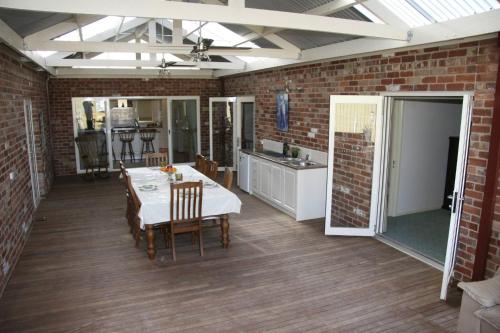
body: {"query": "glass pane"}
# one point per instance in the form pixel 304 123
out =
pixel 222 133
pixel 90 124
pixel 138 127
pixel 184 131
pixel 247 125
pixel 354 145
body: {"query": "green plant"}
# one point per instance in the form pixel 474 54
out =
pixel 295 152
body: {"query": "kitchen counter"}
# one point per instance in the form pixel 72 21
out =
pixel 294 163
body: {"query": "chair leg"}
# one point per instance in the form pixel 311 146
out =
pixel 163 229
pixel 137 233
pixel 172 244
pixel 201 241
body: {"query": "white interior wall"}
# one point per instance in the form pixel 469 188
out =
pixel 423 156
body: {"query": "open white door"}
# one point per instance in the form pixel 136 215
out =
pixel 222 123
pixel 354 162
pixel 458 195
pixel 30 141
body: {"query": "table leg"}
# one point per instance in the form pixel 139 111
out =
pixel 150 236
pixel 224 228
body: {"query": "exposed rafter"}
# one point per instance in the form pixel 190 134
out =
pixel 138 63
pixel 11 38
pixel 213 13
pixel 71 46
pixel 153 73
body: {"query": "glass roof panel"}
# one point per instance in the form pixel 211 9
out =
pixel 95 28
pixel 422 12
pixel 221 35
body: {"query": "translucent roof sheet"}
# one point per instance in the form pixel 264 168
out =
pixel 95 28
pixel 221 35
pixel 422 12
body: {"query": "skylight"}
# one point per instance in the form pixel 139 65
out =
pixel 221 35
pixel 95 28
pixel 417 13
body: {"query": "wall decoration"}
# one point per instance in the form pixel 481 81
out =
pixel 282 111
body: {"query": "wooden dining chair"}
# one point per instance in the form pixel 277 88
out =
pixel 228 178
pixel 199 161
pixel 134 212
pixel 186 200
pixel 135 221
pixel 211 169
pixel 129 212
pixel 156 159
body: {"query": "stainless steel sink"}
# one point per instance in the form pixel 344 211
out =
pixel 300 163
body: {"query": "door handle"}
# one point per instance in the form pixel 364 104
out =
pixel 453 205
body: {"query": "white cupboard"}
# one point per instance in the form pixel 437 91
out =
pixel 301 193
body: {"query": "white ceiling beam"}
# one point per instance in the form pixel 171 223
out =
pixel 138 63
pixel 131 73
pixel 71 46
pixel 63 27
pixel 332 7
pixel 11 38
pixel 485 25
pixel 213 13
pixel 177 32
pixel 378 9
pixel 105 35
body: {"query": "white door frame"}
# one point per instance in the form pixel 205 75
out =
pixel 235 121
pixel 239 119
pixel 374 206
pixel 169 117
pixel 459 176
pixel 30 142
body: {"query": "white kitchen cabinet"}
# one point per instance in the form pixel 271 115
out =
pixel 277 183
pixel 254 167
pixel 300 193
pixel 265 179
pixel 289 188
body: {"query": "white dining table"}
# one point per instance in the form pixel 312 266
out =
pixel 152 187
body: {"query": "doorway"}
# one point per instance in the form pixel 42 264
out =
pixel 232 128
pixel 423 151
pixel 358 163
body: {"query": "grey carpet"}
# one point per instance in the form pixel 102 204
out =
pixel 426 233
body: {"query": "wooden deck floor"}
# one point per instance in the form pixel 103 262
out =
pixel 81 273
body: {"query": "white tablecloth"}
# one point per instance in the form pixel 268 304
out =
pixel 155 205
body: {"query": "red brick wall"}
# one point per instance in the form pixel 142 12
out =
pixel 351 194
pixel 468 66
pixel 62 90
pixel 18 82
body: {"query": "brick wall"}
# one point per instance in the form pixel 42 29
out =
pixel 351 193
pixel 18 82
pixel 468 66
pixel 62 90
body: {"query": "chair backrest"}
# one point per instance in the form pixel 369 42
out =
pixel 228 178
pixel 135 199
pixel 186 200
pixel 199 161
pixel 155 159
pixel 211 169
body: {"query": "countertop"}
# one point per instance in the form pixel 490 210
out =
pixel 288 162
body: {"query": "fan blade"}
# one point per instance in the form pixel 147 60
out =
pixel 181 65
pixel 229 48
pixel 207 42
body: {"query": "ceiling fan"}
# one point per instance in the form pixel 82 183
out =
pixel 203 45
pixel 165 65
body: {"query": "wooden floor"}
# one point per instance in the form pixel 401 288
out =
pixel 81 273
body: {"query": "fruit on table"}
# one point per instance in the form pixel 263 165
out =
pixel 168 168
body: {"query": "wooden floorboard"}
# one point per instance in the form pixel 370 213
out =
pixel 80 272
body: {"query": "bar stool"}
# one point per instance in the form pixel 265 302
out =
pixel 126 138
pixel 147 138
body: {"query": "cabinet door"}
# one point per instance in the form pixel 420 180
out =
pixel 289 188
pixel 255 165
pixel 265 179
pixel 277 183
